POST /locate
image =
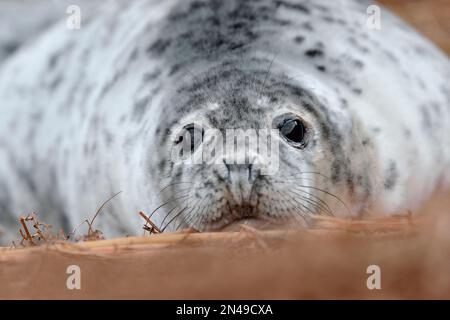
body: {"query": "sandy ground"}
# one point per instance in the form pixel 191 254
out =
pixel 329 261
pixel 431 17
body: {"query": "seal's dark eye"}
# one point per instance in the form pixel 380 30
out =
pixel 191 137
pixel 294 131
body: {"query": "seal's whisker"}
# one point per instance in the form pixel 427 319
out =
pixel 202 216
pixel 284 204
pixel 307 172
pixel 186 222
pixel 299 216
pixel 295 179
pixel 330 194
pixel 284 201
pixel 180 191
pixel 167 215
pixel 167 202
pixel 178 214
pixel 302 201
pixel 323 208
pixel 189 203
pixel 263 85
pixel 316 199
pixel 294 201
pixel 167 174
pixel 294 77
pixel 191 216
pixel 173 184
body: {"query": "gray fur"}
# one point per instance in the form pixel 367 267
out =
pixel 88 113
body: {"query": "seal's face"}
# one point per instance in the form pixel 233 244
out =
pixel 240 152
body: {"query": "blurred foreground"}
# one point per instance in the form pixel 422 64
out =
pixel 329 261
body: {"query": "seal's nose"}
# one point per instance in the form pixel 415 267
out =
pixel 241 178
pixel 247 172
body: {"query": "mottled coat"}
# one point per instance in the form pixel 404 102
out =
pixel 90 112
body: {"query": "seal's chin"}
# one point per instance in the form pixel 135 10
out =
pixel 254 223
pixel 260 224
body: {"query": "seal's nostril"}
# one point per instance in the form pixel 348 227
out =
pixel 254 172
pixel 228 168
pixel 226 165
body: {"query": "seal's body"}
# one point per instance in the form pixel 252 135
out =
pixel 363 115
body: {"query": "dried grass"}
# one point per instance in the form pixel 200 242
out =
pixel 34 232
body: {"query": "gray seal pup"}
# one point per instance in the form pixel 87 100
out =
pixel 362 115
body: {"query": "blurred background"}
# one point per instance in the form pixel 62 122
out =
pixel 431 17
pixel 18 17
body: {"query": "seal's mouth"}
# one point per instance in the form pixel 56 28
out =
pixel 234 217
pixel 255 223
pixel 259 223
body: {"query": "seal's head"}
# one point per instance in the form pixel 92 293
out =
pixel 248 144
